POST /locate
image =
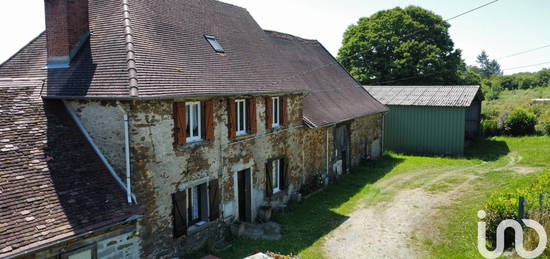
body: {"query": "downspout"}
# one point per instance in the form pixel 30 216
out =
pixel 127 155
pixel 96 149
pixel 327 156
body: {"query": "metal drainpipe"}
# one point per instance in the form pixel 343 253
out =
pixel 127 154
pixel 327 156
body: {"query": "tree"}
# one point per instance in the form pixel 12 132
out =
pixel 488 67
pixel 401 46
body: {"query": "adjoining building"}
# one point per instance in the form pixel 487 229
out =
pixel 429 119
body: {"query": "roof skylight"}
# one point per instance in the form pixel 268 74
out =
pixel 214 43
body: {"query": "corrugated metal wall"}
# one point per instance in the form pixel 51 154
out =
pixel 423 129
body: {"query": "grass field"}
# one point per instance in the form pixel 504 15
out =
pixel 490 164
pixel 510 99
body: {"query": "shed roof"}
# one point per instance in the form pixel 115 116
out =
pixel 52 184
pixel 334 96
pixel 433 95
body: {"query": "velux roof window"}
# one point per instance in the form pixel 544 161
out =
pixel 214 43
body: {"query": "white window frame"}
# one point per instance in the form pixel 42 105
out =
pixel 275 112
pixel 190 191
pixel 241 131
pixel 276 173
pixel 189 121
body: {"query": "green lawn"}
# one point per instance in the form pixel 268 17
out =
pixel 493 163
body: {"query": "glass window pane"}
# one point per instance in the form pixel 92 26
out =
pixel 276 111
pixel 195 205
pixel 195 120
pixel 188 120
pixel 275 174
pixel 241 117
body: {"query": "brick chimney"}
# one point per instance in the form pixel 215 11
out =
pixel 67 29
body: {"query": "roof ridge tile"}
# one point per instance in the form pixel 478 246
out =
pixel 130 53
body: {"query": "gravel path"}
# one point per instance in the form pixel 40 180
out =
pixel 386 230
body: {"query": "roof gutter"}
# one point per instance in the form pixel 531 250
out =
pixel 167 97
pixel 96 149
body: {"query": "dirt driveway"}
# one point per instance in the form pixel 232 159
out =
pixel 388 229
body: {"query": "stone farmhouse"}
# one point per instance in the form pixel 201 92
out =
pixel 136 128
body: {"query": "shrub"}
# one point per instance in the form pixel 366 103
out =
pixel 504 203
pixel 520 122
pixel 489 128
pixel 546 127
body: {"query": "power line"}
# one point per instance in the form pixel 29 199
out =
pixel 532 65
pixel 469 11
pixel 523 52
pixel 448 19
pixel 358 53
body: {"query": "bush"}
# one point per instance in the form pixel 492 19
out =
pixel 520 122
pixel 546 127
pixel 504 203
pixel 489 128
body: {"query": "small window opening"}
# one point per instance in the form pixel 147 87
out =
pixel 193 120
pixel 275 112
pixel 214 43
pixel 276 174
pixel 241 117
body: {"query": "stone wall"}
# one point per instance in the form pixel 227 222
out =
pixel 118 242
pixel 104 122
pixel 161 168
pixel 366 132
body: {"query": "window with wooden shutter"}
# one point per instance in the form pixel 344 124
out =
pixel 252 116
pixel 284 111
pixel 180 123
pixel 232 118
pixel 179 205
pixel 268 113
pixel 215 197
pixel 208 120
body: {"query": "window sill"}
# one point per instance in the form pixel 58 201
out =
pixel 199 143
pixel 243 137
pixel 276 129
pixel 278 194
pixel 197 228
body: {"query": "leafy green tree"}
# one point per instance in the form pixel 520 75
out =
pixel 489 67
pixel 401 46
pixel 469 75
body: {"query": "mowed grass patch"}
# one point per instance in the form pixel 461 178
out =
pixel 306 225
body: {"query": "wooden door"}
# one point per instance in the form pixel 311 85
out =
pixel 244 195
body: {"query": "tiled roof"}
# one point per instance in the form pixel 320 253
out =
pixel 52 184
pixel 334 96
pixel 172 57
pixel 434 95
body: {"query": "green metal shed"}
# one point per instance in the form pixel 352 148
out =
pixel 429 119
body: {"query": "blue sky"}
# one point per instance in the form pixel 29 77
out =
pixel 502 28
